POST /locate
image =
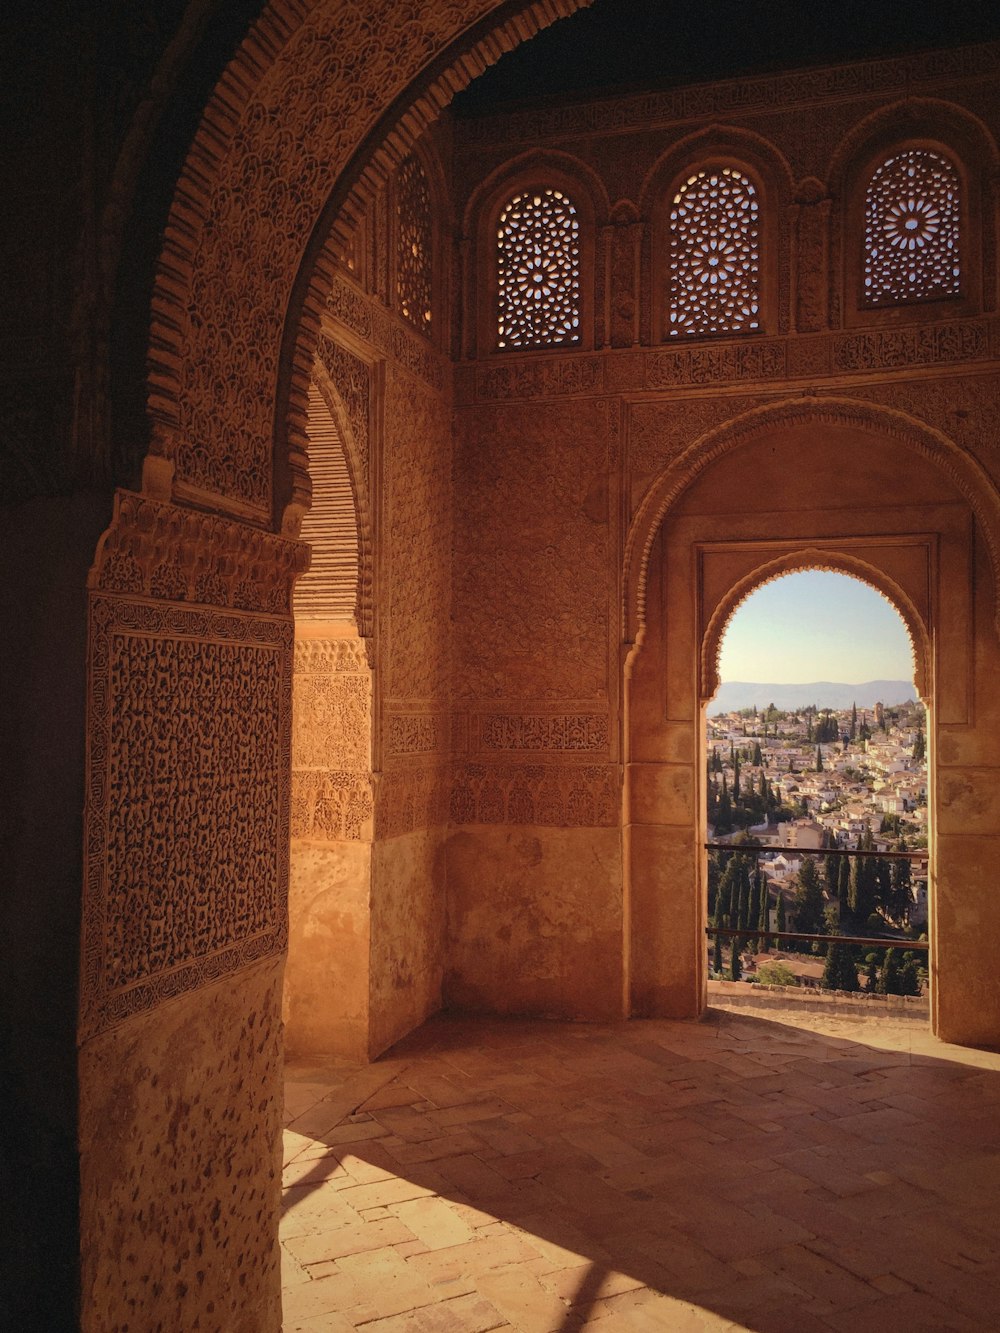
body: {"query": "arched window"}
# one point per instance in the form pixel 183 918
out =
pixel 911 236
pixel 538 270
pixel 414 246
pixel 714 254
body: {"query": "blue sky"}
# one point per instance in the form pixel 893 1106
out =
pixel 816 626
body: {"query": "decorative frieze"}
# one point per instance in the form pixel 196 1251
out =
pixel 410 799
pixel 332 805
pixel 587 796
pixel 160 550
pixel 187 797
pixel 717 362
pixel 581 732
pixel 728 97
pixel 931 344
pixel 416 733
pixel 541 378
pixel 330 655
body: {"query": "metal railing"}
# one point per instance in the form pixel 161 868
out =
pixel 863 941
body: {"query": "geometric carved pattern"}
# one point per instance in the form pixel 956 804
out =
pixel 714 255
pixel 187 831
pixel 413 246
pixel 583 797
pixel 911 230
pixel 578 732
pixel 538 271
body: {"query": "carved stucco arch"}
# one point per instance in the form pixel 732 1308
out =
pixel 914 117
pixel 319 98
pixel 810 558
pixel 968 476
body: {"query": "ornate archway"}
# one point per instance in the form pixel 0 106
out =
pixel 745 505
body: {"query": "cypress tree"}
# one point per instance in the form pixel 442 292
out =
pixel 735 965
pixel 763 923
pixel 779 924
pixel 839 971
pixel 888 977
pixel 854 721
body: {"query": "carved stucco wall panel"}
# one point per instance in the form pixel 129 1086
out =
pixel 418 534
pixel 533 552
pixel 187 800
pixel 332 793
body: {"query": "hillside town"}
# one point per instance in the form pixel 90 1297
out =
pixel 782 784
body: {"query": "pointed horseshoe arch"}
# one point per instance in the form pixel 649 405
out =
pixel 967 475
pixel 811 557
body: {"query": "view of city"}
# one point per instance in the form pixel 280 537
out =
pixel 823 804
pixel 782 785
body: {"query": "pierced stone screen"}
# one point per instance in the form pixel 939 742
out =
pixel 714 281
pixel 538 268
pixel 413 248
pixel 911 230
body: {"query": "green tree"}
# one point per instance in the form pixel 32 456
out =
pixel 854 722
pixel 779 916
pixel 776 973
pixel 871 972
pixel 888 977
pixel 758 757
pixel 735 963
pixel 863 884
pixel 809 900
pixel 819 760
pixel 900 891
pixel 839 971
pixel 909 975
pixel 717 955
pixel 763 924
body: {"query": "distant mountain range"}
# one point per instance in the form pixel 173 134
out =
pixel 736 694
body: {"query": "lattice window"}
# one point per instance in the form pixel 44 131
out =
pixel 538 271
pixel 912 230
pixel 714 280
pixel 414 246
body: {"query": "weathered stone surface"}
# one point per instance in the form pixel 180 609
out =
pixel 535 921
pixel 180 1118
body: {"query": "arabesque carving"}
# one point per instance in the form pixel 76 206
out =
pixel 351 379
pixel 586 732
pixel 416 733
pixel 160 550
pixel 411 798
pixel 282 125
pixel 584 796
pixel 933 344
pixel 187 792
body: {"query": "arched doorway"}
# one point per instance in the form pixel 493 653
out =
pixel 793 765
pixel 801 486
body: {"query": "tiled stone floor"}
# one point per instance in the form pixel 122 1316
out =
pixel 778 1173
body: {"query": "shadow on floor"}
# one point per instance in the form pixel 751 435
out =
pixel 740 1172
